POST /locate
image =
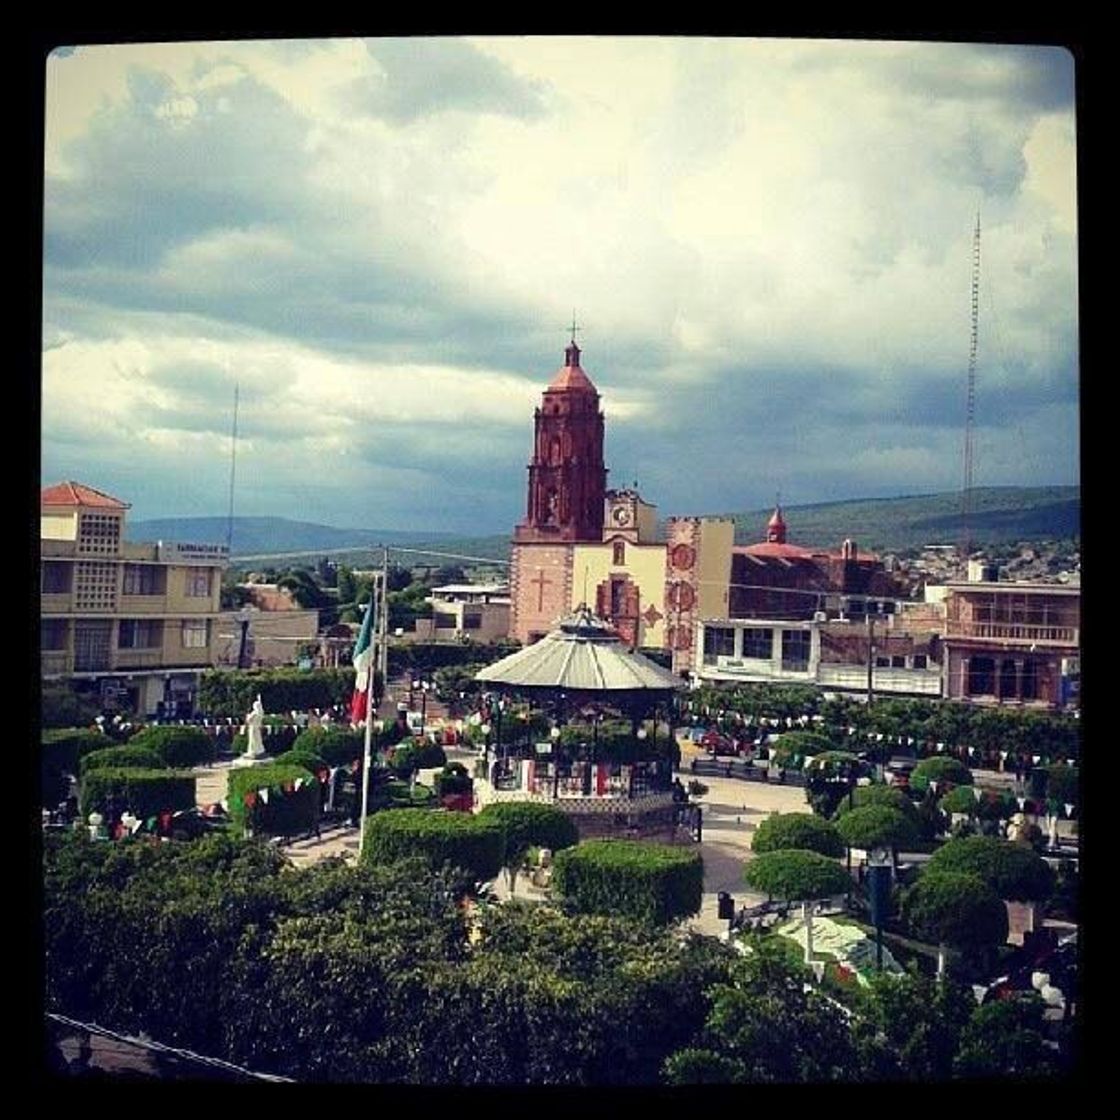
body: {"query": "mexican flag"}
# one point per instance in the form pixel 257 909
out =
pixel 363 666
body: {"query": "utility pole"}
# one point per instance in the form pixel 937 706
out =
pixel 870 659
pixel 383 632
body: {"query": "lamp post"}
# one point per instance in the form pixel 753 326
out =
pixel 422 687
pixel 878 894
pixel 554 735
pixel 243 647
pixel 641 743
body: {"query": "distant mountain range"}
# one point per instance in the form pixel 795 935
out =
pixel 1000 514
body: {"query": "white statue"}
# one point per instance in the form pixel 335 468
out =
pixel 253 723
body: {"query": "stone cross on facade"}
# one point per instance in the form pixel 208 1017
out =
pixel 540 583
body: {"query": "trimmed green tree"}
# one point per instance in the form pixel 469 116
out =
pixel 652 883
pixel 957 909
pixel 876 826
pixel 529 824
pixel 878 794
pixel 797 830
pixel 1012 871
pixel 441 838
pixel 940 769
pixel 797 876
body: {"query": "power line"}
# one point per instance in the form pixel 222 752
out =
pixel 368 548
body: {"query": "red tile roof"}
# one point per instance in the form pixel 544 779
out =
pixel 75 494
pixel 774 549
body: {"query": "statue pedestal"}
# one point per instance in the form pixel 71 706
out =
pixel 249 760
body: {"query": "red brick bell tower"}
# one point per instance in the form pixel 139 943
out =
pixel 567 479
pixel 565 502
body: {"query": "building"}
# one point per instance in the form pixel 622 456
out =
pixel 1012 643
pixel 478 611
pixel 581 543
pixel 272 637
pixel 133 624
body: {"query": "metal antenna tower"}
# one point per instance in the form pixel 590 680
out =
pixel 970 410
pixel 232 466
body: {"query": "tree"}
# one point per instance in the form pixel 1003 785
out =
pixel 876 826
pixel 527 824
pixel 304 588
pixel 1006 1039
pixel 957 909
pixel 797 876
pixel 909 1027
pixel 767 1025
pixel 797 830
pixel 1012 871
pixel 940 769
pixel 878 794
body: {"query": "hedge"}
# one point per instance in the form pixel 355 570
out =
pixel 286 811
pixel 796 875
pixel 939 768
pixel 416 754
pixel 648 882
pixel 61 707
pixel 336 746
pixel 441 838
pixel 955 908
pixel 308 759
pixel 177 746
pixel 529 824
pixel 1012 870
pixel 145 792
pixel 797 830
pixel 231 693
pixel 63 748
pixel 793 747
pixel 136 758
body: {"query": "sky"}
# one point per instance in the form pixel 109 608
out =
pixel 767 245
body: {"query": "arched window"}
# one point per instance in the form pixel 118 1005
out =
pixel 619 552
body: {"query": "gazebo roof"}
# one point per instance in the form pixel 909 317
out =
pixel 583 655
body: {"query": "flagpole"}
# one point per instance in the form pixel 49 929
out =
pixel 369 734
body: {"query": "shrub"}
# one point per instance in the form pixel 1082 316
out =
pixel 794 747
pixel 306 758
pixel 177 746
pixel 429 755
pixel 1011 870
pixel 453 779
pixel 939 768
pixel 1063 783
pixel 63 748
pixel 285 810
pixel 797 830
pixel 336 746
pixel 442 839
pixel 877 826
pixel 955 908
pixel 61 707
pixel 145 792
pixel 653 883
pixel 796 875
pixel 138 758
pixel 232 692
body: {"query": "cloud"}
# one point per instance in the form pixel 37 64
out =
pixel 767 245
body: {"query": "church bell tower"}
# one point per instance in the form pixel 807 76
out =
pixel 567 479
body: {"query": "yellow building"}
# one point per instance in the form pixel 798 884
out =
pixel 132 624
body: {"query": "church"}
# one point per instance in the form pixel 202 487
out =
pixel 582 543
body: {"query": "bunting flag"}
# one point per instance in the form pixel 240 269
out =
pixel 1022 803
pixel 1037 759
pixel 263 794
pixel 224 804
pixel 1069 809
pixel 363 666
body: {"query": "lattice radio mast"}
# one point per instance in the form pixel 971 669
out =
pixel 970 410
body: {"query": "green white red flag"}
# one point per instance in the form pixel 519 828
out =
pixel 363 667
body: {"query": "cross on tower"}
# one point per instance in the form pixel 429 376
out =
pixel 574 328
pixel 540 583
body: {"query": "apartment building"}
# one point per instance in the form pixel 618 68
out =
pixel 132 624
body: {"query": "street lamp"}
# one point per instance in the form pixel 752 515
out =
pixel 422 686
pixel 554 735
pixel 242 649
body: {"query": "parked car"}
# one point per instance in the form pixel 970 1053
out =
pixel 718 743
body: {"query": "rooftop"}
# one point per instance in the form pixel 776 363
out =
pixel 77 494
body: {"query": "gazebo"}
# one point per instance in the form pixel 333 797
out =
pixel 579 672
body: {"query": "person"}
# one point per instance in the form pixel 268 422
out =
pixel 358 770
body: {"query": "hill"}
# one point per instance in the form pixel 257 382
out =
pixel 1001 515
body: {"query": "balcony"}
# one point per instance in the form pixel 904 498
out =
pixel 138 659
pixel 1013 632
pixel 910 682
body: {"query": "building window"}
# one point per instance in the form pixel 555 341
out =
pixel 198 583
pixel 56 576
pixel 196 633
pixel 144 579
pixel 1007 675
pixel 981 679
pixel 1030 681
pixel 445 621
pixel 882 662
pixel 472 620
pixel 758 644
pixel 52 633
pixel 898 662
pixel 99 533
pixel 919 661
pixel 619 553
pixel 140 633
pixel 95 585
pixel 719 641
pixel 91 645
pixel 795 650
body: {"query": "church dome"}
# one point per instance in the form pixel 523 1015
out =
pixel 570 376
